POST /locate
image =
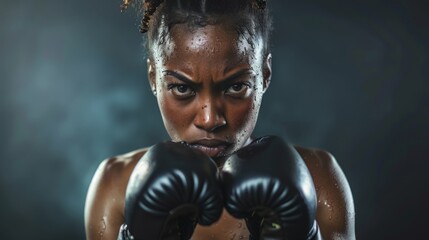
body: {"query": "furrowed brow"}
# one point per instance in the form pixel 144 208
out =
pixel 234 76
pixel 179 77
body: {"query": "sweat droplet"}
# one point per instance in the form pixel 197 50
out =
pixel 102 228
pixel 330 208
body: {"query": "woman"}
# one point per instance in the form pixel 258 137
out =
pixel 209 65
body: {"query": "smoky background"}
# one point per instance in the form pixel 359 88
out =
pixel 350 77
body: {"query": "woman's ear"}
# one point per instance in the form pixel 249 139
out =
pixel 267 71
pixel 151 74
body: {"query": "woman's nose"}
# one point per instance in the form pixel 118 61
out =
pixel 209 117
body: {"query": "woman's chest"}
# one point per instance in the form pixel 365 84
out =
pixel 227 228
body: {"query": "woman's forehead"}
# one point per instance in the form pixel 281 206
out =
pixel 205 40
pixel 217 44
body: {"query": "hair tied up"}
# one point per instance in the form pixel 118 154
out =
pixel 125 4
pixel 149 7
pixel 261 4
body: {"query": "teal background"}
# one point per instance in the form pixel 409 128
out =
pixel 350 77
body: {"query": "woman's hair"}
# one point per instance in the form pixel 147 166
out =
pixel 159 16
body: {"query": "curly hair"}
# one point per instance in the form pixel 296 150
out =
pixel 250 16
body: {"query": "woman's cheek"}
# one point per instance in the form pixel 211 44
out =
pixel 241 116
pixel 174 120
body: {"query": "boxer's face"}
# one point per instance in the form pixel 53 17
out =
pixel 209 84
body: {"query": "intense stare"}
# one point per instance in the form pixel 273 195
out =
pixel 209 82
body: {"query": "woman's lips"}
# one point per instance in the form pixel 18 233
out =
pixel 212 148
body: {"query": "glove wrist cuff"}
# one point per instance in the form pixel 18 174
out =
pixel 124 233
pixel 314 232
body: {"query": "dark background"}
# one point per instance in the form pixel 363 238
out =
pixel 349 76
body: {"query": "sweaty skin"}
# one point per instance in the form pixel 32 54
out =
pixel 209 83
pixel 335 210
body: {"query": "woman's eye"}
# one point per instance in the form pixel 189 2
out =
pixel 237 89
pixel 181 90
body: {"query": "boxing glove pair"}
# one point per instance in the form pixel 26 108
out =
pixel 174 187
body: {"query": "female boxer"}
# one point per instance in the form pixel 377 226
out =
pixel 209 65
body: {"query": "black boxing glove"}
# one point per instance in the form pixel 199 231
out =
pixel 172 188
pixel 268 184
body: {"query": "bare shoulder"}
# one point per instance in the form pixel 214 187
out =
pixel 335 207
pixel 105 198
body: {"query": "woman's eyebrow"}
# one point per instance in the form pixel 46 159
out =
pixel 234 76
pixel 224 81
pixel 179 76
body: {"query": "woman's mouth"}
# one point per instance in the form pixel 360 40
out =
pixel 211 147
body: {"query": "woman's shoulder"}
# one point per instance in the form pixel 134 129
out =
pixel 326 172
pixel 105 198
pixel 112 173
pixel 335 207
pixel 121 164
pixel 316 159
pixel 118 168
